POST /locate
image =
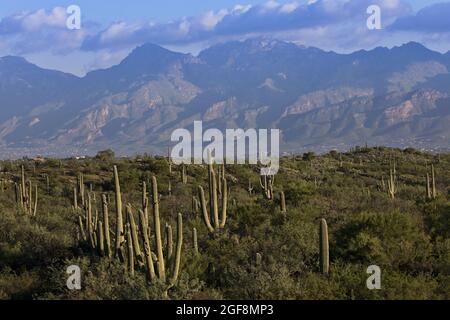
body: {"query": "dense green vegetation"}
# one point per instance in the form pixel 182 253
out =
pixel 271 244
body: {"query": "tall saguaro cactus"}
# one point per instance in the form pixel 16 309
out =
pixel 134 236
pixel 433 183
pixel 120 236
pixel 282 202
pixel 81 188
pixel 175 261
pixel 183 174
pixel 105 210
pixel 145 201
pixel 157 227
pixel 147 246
pixel 214 202
pixel 324 248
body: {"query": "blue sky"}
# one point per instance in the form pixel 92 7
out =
pixel 110 29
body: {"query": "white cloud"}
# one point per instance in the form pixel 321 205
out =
pixel 337 22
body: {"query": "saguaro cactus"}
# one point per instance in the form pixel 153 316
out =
pixel 147 246
pixel 433 183
pixel 267 185
pixel 81 227
pixel 120 238
pixel 134 236
pixel 324 248
pixel 214 205
pixel 81 188
pixel 157 227
pixel 100 239
pixel 175 260
pixel 75 198
pixel 169 242
pixel 106 226
pixel 169 160
pixel 130 251
pixel 392 182
pixel 145 201
pixel 195 205
pixel 183 174
pixel 282 202
pixel 194 240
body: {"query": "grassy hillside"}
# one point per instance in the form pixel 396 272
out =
pixel 260 253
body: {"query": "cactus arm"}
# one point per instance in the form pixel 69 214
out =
pixel 35 200
pixel 134 235
pixel 119 220
pixel 169 239
pixel 224 202
pixel 214 200
pixel 81 226
pixel 147 246
pixel 176 268
pixel 194 237
pixel 204 209
pixel 159 248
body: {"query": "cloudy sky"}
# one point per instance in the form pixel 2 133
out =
pixel 37 30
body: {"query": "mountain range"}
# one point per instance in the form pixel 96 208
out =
pixel 319 100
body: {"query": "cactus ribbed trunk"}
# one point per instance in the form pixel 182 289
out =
pixel 130 251
pixel 81 227
pixel 214 199
pixel 75 198
pixel 224 202
pixel 134 235
pixel 169 242
pixel 147 246
pixel 176 268
pixel 108 251
pixel 204 209
pixel 282 202
pixel 100 239
pixel 159 247
pixel 324 248
pixel 35 200
pixel 145 201
pixel 433 183
pixel 194 239
pixel 22 184
pixel 119 220
pixel 89 223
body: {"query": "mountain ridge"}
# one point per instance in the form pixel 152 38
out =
pixel 320 100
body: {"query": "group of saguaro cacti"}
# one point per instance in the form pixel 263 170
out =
pixel 130 237
pixel 213 214
pixel 24 195
pixel 431 186
pixel 267 185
